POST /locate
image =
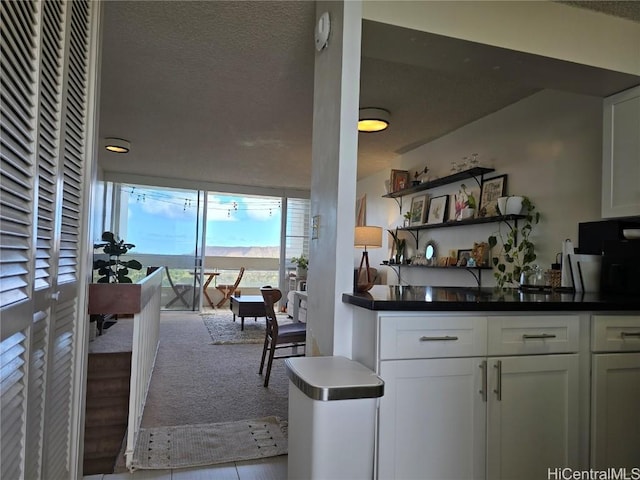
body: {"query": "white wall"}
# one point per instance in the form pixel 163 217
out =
pixel 548 144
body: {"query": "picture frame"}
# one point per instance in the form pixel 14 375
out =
pixel 491 189
pixel 399 180
pixel 438 209
pixel 463 257
pixel 418 209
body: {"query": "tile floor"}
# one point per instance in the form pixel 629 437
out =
pixel 272 468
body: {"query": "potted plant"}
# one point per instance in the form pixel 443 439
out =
pixel 399 245
pixel 114 292
pixel 302 265
pixel 465 204
pixel 407 218
pixel 518 251
pixel 114 270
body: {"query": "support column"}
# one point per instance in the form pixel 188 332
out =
pixel 333 180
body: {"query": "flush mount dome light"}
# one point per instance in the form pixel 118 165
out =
pixel 117 145
pixel 373 120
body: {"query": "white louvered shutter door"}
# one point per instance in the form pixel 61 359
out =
pixel 64 314
pixel 48 159
pixel 45 65
pixel 18 94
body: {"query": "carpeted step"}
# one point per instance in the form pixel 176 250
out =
pixel 103 441
pixel 99 363
pixel 95 466
pixel 108 387
pixel 107 411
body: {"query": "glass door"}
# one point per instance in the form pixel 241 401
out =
pixel 166 226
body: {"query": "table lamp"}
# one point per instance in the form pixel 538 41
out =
pixel 366 237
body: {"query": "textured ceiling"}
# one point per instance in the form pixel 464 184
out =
pixel 223 91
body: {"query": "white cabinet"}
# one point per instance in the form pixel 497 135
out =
pixel 615 390
pixel 432 419
pixel 621 155
pixel 470 397
pixel 533 415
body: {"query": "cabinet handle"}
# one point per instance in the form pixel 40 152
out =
pixel 483 392
pixel 540 336
pixel 438 339
pixel 629 334
pixel 498 389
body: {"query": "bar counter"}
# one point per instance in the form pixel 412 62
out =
pixel 404 298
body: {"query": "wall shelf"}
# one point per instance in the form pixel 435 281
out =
pixel 475 271
pixel 461 223
pixel 456 177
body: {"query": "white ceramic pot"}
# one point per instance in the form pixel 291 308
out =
pixel 467 213
pixel 510 205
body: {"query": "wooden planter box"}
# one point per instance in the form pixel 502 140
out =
pixel 114 298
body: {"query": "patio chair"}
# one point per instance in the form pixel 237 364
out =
pixel 227 290
pixel 289 335
pixel 181 291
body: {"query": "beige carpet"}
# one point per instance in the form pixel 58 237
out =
pixel 195 382
pixel 209 444
pixel 224 331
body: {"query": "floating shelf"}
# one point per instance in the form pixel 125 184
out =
pixel 450 267
pixel 456 177
pixel 460 223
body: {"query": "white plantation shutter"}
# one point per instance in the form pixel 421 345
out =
pixel 46 57
pixel 36 401
pixel 18 61
pixel 13 411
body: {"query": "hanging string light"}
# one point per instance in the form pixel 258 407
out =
pixel 247 204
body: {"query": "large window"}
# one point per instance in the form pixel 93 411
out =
pixel 261 233
pixel 244 231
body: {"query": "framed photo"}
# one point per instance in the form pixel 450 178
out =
pixel 438 209
pixel 399 180
pixel 492 189
pixel 463 257
pixel 418 209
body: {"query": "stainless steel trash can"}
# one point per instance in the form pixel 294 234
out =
pixel 332 411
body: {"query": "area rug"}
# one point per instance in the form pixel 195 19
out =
pixel 224 331
pixel 209 444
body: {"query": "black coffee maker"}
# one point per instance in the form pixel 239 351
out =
pixel 620 272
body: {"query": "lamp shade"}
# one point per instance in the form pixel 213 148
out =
pixel 368 237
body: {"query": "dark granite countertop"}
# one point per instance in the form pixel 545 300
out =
pixel 447 299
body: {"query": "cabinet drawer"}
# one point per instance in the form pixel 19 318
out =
pixel 531 335
pixel 432 337
pixel 615 333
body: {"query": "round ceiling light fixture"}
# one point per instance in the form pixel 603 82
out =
pixel 373 120
pixel 117 145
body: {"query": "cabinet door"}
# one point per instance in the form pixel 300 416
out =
pixel 532 420
pixel 432 419
pixel 621 155
pixel 615 413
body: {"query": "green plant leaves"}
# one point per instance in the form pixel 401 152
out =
pixel 517 251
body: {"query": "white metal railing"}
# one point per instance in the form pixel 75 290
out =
pixel 146 329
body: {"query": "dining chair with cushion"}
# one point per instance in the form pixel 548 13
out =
pixel 289 335
pixel 227 290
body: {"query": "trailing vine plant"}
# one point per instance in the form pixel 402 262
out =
pixel 517 252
